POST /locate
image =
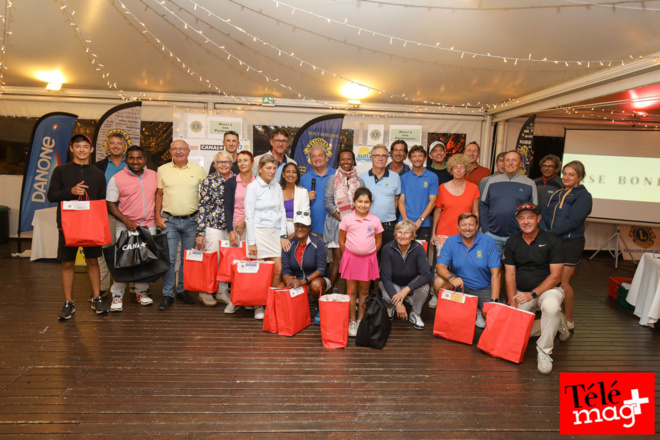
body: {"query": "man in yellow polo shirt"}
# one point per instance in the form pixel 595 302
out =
pixel 177 200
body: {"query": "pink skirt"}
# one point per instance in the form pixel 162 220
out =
pixel 359 267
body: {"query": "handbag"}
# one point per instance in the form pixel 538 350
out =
pixel 200 270
pixel 227 256
pixel 250 281
pixel 507 331
pixel 291 310
pixel 374 329
pixel 334 310
pixel 455 315
pixel 135 247
pixel 85 222
pixel 144 273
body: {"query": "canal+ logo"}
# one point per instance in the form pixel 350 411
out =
pixel 607 403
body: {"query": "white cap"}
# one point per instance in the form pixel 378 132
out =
pixel 303 218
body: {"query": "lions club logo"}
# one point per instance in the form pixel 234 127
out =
pixel 375 135
pixel 480 254
pixel 642 236
pixel 318 142
pixel 196 126
pixel 426 184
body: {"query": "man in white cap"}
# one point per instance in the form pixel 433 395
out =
pixel 438 165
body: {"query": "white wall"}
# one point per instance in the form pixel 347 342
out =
pixel 10 195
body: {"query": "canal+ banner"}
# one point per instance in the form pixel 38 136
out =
pixel 49 148
pixel 324 132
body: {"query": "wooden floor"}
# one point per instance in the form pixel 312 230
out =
pixel 194 372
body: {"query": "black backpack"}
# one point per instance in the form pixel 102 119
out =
pixel 375 326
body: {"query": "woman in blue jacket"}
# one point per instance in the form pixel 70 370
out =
pixel 565 216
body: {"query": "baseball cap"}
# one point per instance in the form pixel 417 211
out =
pixel 527 207
pixel 436 144
pixel 303 218
pixel 78 137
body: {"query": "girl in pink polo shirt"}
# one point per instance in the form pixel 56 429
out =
pixel 360 237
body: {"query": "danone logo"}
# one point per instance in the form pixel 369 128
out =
pixel 607 403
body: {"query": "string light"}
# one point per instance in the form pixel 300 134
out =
pixel 99 67
pixel 3 49
pixel 405 41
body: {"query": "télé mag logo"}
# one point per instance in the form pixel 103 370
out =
pixel 607 403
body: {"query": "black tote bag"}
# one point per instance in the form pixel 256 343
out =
pixel 134 248
pixel 375 326
pixel 144 273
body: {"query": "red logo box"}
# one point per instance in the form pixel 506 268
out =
pixel 607 403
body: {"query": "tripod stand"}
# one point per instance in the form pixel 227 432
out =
pixel 617 250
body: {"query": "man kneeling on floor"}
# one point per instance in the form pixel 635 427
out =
pixel 469 261
pixel 533 264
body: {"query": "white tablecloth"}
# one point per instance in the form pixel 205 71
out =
pixel 644 291
pixel 45 234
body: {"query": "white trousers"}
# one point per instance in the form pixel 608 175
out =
pixel 550 305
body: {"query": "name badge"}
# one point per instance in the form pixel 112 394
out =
pixel 296 291
pixel 76 205
pixel 453 296
pixel 193 255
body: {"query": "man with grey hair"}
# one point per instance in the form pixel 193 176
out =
pixel 177 202
pixel 385 186
pixel 314 181
pixel 549 182
pixel 501 197
pixel 499 169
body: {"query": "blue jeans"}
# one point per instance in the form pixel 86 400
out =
pixel 499 241
pixel 177 230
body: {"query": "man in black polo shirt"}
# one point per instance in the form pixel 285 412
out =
pixel 533 262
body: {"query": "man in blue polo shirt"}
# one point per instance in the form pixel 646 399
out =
pixel 419 189
pixel 470 260
pixel 314 181
pixel 385 187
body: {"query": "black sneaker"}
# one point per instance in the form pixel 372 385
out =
pixel 102 294
pixel 67 311
pixel 185 297
pixel 98 306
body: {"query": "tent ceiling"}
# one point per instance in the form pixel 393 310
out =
pixel 303 49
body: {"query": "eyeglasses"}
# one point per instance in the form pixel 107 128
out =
pixel 178 149
pixel 279 141
pixel 223 162
pixel 305 213
pixel 547 166
pixel 403 232
pixel 379 156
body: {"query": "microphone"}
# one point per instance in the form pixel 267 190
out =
pixel 313 184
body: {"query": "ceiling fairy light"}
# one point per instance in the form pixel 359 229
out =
pixel 3 49
pixel 463 53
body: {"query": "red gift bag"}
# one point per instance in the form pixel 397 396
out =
pixel 507 331
pixel 250 281
pixel 85 222
pixel 227 256
pixel 334 310
pixel 455 316
pixel 291 310
pixel 270 320
pixel 200 270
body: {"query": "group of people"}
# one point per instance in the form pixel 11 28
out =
pixel 374 227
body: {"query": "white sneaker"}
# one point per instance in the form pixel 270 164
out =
pixel 117 304
pixel 231 308
pixel 564 332
pixel 481 321
pixel 544 362
pixel 223 297
pixel 434 301
pixel 352 329
pixel 207 299
pixel 259 312
pixel 143 299
pixel 416 321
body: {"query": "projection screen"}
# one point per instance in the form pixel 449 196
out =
pixel 622 172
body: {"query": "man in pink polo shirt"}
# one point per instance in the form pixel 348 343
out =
pixel 131 198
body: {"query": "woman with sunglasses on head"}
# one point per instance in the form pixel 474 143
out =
pixel 296 198
pixel 211 218
pixel 339 191
pixel 565 216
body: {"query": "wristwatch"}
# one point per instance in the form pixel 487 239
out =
pixel 306 280
pixel 284 236
pixel 450 277
pixel 534 295
pixel 422 219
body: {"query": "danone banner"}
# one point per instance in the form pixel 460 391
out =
pixel 124 119
pixel 48 148
pixel 525 144
pixel 324 131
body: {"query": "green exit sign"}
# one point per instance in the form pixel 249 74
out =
pixel 268 101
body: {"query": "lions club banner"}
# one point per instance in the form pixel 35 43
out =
pixel 525 144
pixel 49 148
pixel 124 119
pixel 325 132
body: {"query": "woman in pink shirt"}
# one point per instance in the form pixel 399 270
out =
pixel 360 238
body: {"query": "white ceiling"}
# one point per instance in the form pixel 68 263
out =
pixel 255 48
